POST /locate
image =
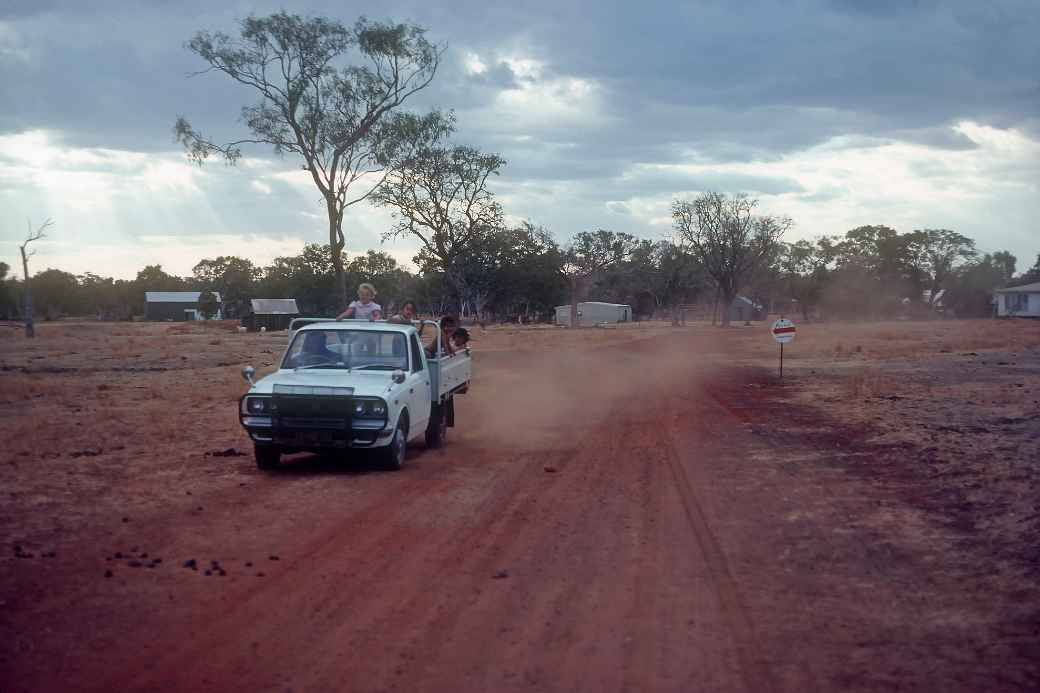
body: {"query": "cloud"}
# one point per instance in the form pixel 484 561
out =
pixel 834 110
pixel 106 201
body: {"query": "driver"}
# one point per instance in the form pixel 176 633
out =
pixel 315 350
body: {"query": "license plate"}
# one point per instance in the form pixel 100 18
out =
pixel 313 437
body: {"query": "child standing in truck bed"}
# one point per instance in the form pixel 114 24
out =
pixel 364 308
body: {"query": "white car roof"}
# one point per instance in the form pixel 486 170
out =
pixel 367 325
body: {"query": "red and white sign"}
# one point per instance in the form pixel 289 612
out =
pixel 783 331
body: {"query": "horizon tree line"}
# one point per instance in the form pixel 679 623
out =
pixel 870 272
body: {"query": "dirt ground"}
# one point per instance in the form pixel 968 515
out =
pixel 640 508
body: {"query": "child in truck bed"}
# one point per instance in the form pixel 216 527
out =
pixel 448 326
pixel 364 308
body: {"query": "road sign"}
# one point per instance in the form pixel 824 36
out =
pixel 783 331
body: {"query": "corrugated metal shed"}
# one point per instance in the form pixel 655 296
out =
pixel 595 313
pixel 274 306
pixel 175 296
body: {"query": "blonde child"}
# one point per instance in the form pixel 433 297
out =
pixel 365 308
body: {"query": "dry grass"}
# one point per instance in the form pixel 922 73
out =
pixel 871 383
pixel 888 340
pixel 19 387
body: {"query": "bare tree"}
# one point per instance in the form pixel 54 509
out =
pixel 341 119
pixel 589 254
pixel 30 327
pixel 729 239
pixel 441 197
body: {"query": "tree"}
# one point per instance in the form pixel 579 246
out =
pixel 208 304
pixel 678 278
pixel 729 239
pixel 57 293
pixel 342 120
pixel 529 279
pixel 803 268
pixel 233 277
pixel 308 277
pixel 1030 276
pixel 5 298
pixel 590 253
pixel 153 278
pixel 1005 262
pixel 970 287
pixel 103 297
pixel 32 237
pixel 936 253
pixel 441 198
pixel 382 271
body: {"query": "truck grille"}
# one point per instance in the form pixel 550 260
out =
pixel 312 412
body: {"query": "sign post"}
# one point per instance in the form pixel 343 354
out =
pixel 783 331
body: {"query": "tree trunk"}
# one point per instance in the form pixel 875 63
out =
pixel 458 285
pixel 727 306
pixel 575 285
pixel 715 307
pixel 337 243
pixel 30 327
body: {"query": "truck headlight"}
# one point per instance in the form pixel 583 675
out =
pixel 369 408
pixel 257 405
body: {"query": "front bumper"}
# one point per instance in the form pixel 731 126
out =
pixel 306 438
pixel 315 423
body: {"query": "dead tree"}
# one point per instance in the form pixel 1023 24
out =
pixel 30 328
pixel 729 239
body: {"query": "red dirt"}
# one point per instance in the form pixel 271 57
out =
pixel 640 514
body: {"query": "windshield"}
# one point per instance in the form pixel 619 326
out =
pixel 347 349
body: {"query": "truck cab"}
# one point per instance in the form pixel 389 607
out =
pixel 354 384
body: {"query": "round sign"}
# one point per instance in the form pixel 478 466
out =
pixel 783 331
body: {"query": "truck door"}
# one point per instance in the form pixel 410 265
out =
pixel 419 393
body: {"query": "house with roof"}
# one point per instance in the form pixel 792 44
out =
pixel 177 305
pixel 270 313
pixel 1018 301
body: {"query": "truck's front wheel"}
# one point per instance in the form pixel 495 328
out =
pixel 437 429
pixel 392 456
pixel 267 456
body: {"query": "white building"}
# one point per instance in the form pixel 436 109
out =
pixel 594 313
pixel 1018 301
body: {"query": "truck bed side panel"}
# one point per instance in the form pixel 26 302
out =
pixel 449 373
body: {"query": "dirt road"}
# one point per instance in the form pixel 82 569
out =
pixel 603 519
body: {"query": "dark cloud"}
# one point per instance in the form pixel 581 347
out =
pixel 704 82
pixel 761 77
pixel 937 138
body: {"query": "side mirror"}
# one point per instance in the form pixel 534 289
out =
pixel 248 372
pixel 397 376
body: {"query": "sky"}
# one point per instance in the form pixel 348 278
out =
pixel 837 113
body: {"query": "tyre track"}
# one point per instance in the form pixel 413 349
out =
pixel 754 668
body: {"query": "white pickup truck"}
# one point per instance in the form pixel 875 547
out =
pixel 354 384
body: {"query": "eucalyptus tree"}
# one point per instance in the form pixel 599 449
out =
pixel 730 240
pixel 440 197
pixel 329 94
